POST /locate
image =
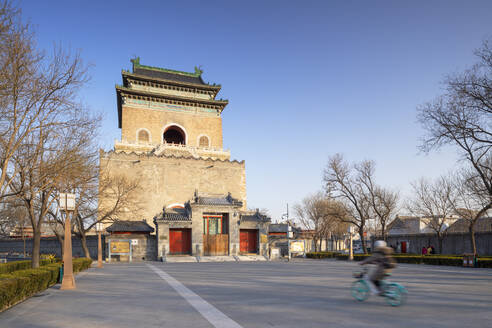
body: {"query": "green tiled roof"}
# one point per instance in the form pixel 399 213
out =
pixel 136 64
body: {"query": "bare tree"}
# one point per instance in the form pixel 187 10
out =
pixel 347 184
pixel 35 90
pixel 99 198
pixel 383 201
pixel 314 215
pixel 462 117
pixel 473 202
pixel 12 216
pixel 39 118
pixel 338 232
pixel 434 201
pixel 44 163
pixel 123 197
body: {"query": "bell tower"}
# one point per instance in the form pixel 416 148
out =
pixel 169 112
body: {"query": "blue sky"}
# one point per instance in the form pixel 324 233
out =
pixel 304 79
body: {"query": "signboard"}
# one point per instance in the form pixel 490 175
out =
pixel 134 242
pixel 297 246
pixel 120 247
pixel 67 202
pixel 263 239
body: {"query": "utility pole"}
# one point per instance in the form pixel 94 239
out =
pixel 289 230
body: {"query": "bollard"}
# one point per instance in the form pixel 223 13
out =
pixel 60 276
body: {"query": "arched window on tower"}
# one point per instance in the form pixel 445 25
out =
pixel 143 137
pixel 174 135
pixel 203 142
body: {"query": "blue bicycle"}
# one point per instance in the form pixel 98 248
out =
pixel 394 293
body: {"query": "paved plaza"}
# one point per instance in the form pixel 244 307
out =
pixel 305 293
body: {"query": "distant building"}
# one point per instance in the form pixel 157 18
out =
pixel 403 225
pixel 462 225
pixel 409 234
pixel 278 236
pixel 27 231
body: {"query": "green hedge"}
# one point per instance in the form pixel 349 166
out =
pixel 321 255
pixel 81 264
pixel 435 259
pixel 357 257
pixel 21 265
pixel 484 263
pixel 21 284
pixel 419 259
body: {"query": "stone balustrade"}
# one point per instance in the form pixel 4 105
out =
pixel 173 149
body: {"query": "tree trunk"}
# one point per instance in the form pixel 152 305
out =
pixel 363 241
pixel 60 241
pixel 83 241
pixel 440 237
pixel 36 246
pixel 472 237
pixel 383 232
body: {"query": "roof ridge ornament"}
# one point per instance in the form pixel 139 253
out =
pixel 198 70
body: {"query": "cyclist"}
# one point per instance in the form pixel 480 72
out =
pixel 384 261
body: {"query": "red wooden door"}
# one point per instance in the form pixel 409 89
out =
pixel 179 241
pixel 404 247
pixel 243 241
pixel 248 241
pixel 252 241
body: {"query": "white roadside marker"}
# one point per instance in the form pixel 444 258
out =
pixel 207 310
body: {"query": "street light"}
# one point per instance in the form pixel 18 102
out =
pixel 99 229
pixel 351 249
pixel 67 204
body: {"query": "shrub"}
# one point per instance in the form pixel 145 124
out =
pixel 484 263
pixel 22 265
pixel 81 264
pixel 443 260
pixel 14 266
pixel 435 259
pixel 357 257
pixel 412 259
pixel 20 284
pixel 321 255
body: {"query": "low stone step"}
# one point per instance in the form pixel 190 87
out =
pixel 217 259
pixel 251 258
pixel 180 259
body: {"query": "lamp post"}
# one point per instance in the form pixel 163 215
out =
pixel 351 249
pixel 67 204
pixel 99 228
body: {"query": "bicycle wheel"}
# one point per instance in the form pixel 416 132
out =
pixel 395 294
pixel 360 290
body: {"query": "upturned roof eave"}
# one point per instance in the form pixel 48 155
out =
pixel 119 89
pixel 172 97
pixel 215 88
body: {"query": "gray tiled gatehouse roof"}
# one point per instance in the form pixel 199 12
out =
pixel 255 217
pixel 129 226
pixel 175 214
pixel 218 201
